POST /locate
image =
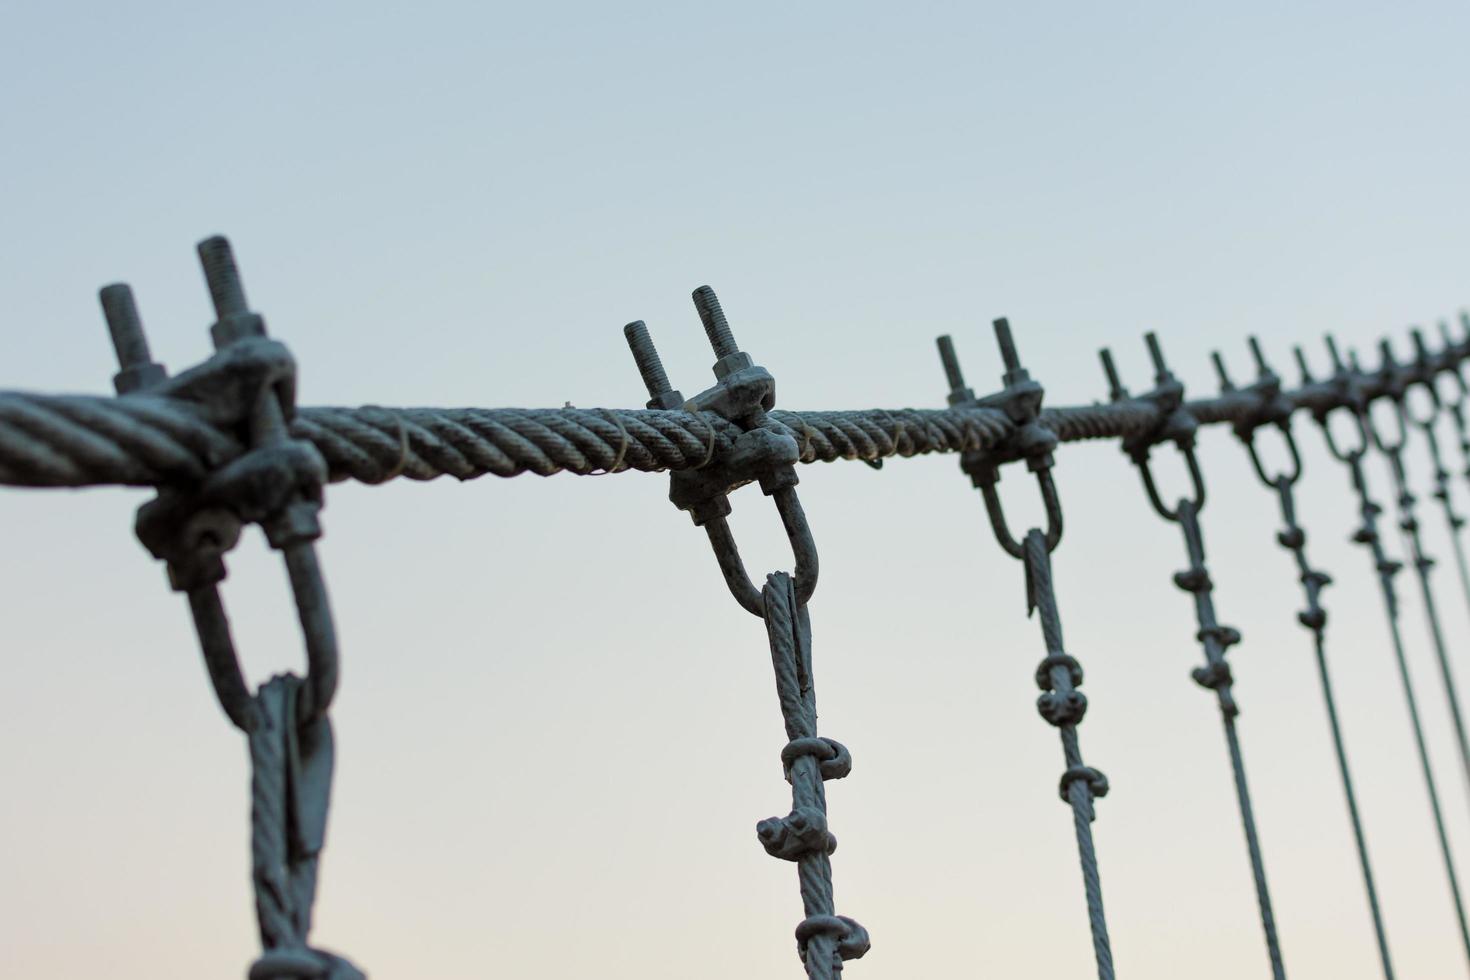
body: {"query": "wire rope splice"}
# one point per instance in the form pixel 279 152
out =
pixel 1178 426
pixel 1058 675
pixel 1274 411
pixel 766 453
pixel 1395 380
pixel 248 388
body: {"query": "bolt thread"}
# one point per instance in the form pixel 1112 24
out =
pixel 1007 344
pixel 951 362
pixel 1301 363
pixel 1334 353
pixel 1115 384
pixel 645 355
pixel 1225 383
pixel 1156 354
pixel 124 325
pixel 1258 355
pixel 716 327
pixel 222 276
pixel 1420 347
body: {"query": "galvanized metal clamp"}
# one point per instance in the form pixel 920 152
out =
pixel 1176 425
pixel 1032 441
pixel 1273 409
pixel 742 394
pixel 248 387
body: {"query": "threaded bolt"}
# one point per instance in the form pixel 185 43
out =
pixel 645 355
pixel 1301 363
pixel 1337 364
pixel 222 276
pixel 1007 345
pixel 951 362
pixel 716 327
pixel 124 325
pixel 1420 347
pixel 1156 354
pixel 1260 358
pixel 1225 383
pixel 1116 391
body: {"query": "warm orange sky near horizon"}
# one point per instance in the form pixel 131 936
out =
pixel 556 730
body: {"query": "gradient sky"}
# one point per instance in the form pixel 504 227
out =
pixel 556 730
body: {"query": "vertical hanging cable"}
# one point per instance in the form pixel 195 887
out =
pixel 1179 427
pixel 1367 535
pixel 1396 383
pixel 1276 413
pixel 1059 675
pixel 743 394
pixel 1424 369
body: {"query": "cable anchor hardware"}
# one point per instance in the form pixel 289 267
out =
pixel 1059 676
pixel 248 388
pixel 1032 441
pixel 764 452
pixel 1275 412
pixel 1177 425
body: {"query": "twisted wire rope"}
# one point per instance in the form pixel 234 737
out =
pixel 1063 706
pixel 824 939
pixel 148 440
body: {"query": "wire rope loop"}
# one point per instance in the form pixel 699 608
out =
pixel 1436 405
pixel 996 511
pixel 1360 423
pixel 1400 422
pixel 803 549
pixel 1290 476
pixel 1196 479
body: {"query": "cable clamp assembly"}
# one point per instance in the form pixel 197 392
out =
pixel 247 388
pixel 1030 440
pixel 762 452
pixel 1175 425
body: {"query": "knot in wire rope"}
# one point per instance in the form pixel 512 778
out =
pixel 824 939
pixel 1178 427
pixel 764 452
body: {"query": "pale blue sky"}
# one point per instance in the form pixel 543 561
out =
pixel 556 730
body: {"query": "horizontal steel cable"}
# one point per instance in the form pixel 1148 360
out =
pixel 151 440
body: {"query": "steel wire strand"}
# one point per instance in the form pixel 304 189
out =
pixel 1063 705
pixel 1314 618
pixel 143 439
pixel 1215 639
pixel 1453 521
pixel 1385 569
pixel 824 939
pixel 1413 546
